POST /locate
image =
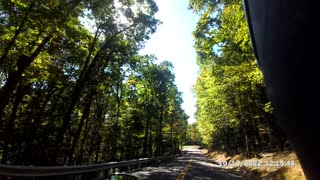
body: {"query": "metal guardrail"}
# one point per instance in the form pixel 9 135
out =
pixel 37 171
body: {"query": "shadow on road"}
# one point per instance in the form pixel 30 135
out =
pixel 200 168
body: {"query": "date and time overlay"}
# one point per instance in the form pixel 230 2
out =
pixel 257 163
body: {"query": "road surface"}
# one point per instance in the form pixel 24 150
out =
pixel 192 165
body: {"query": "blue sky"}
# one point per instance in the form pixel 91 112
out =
pixel 173 42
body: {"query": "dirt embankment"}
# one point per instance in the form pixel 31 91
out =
pixel 271 166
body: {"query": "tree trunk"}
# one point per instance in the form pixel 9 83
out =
pixel 30 129
pixel 85 114
pixel 145 143
pixel 246 142
pixel 160 133
pixel 86 70
pixel 171 136
pixel 14 77
pixel 21 90
pixel 77 91
pixel 96 161
pixel 82 143
pixel 150 143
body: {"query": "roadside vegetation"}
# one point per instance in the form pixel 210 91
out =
pixel 233 111
pixel 274 172
pixel 74 89
pixel 234 115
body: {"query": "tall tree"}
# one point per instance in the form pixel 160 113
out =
pixel 74 89
pixel 233 112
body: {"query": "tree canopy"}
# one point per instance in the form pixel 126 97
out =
pixel 74 89
pixel 233 111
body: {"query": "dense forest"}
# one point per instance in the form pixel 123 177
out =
pixel 74 89
pixel 233 114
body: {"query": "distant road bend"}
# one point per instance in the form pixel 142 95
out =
pixel 192 165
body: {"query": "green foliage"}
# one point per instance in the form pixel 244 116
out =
pixel 75 94
pixel 233 113
pixel 193 135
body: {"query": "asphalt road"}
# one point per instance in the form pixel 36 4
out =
pixel 192 165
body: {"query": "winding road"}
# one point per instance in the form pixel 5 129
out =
pixel 194 165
